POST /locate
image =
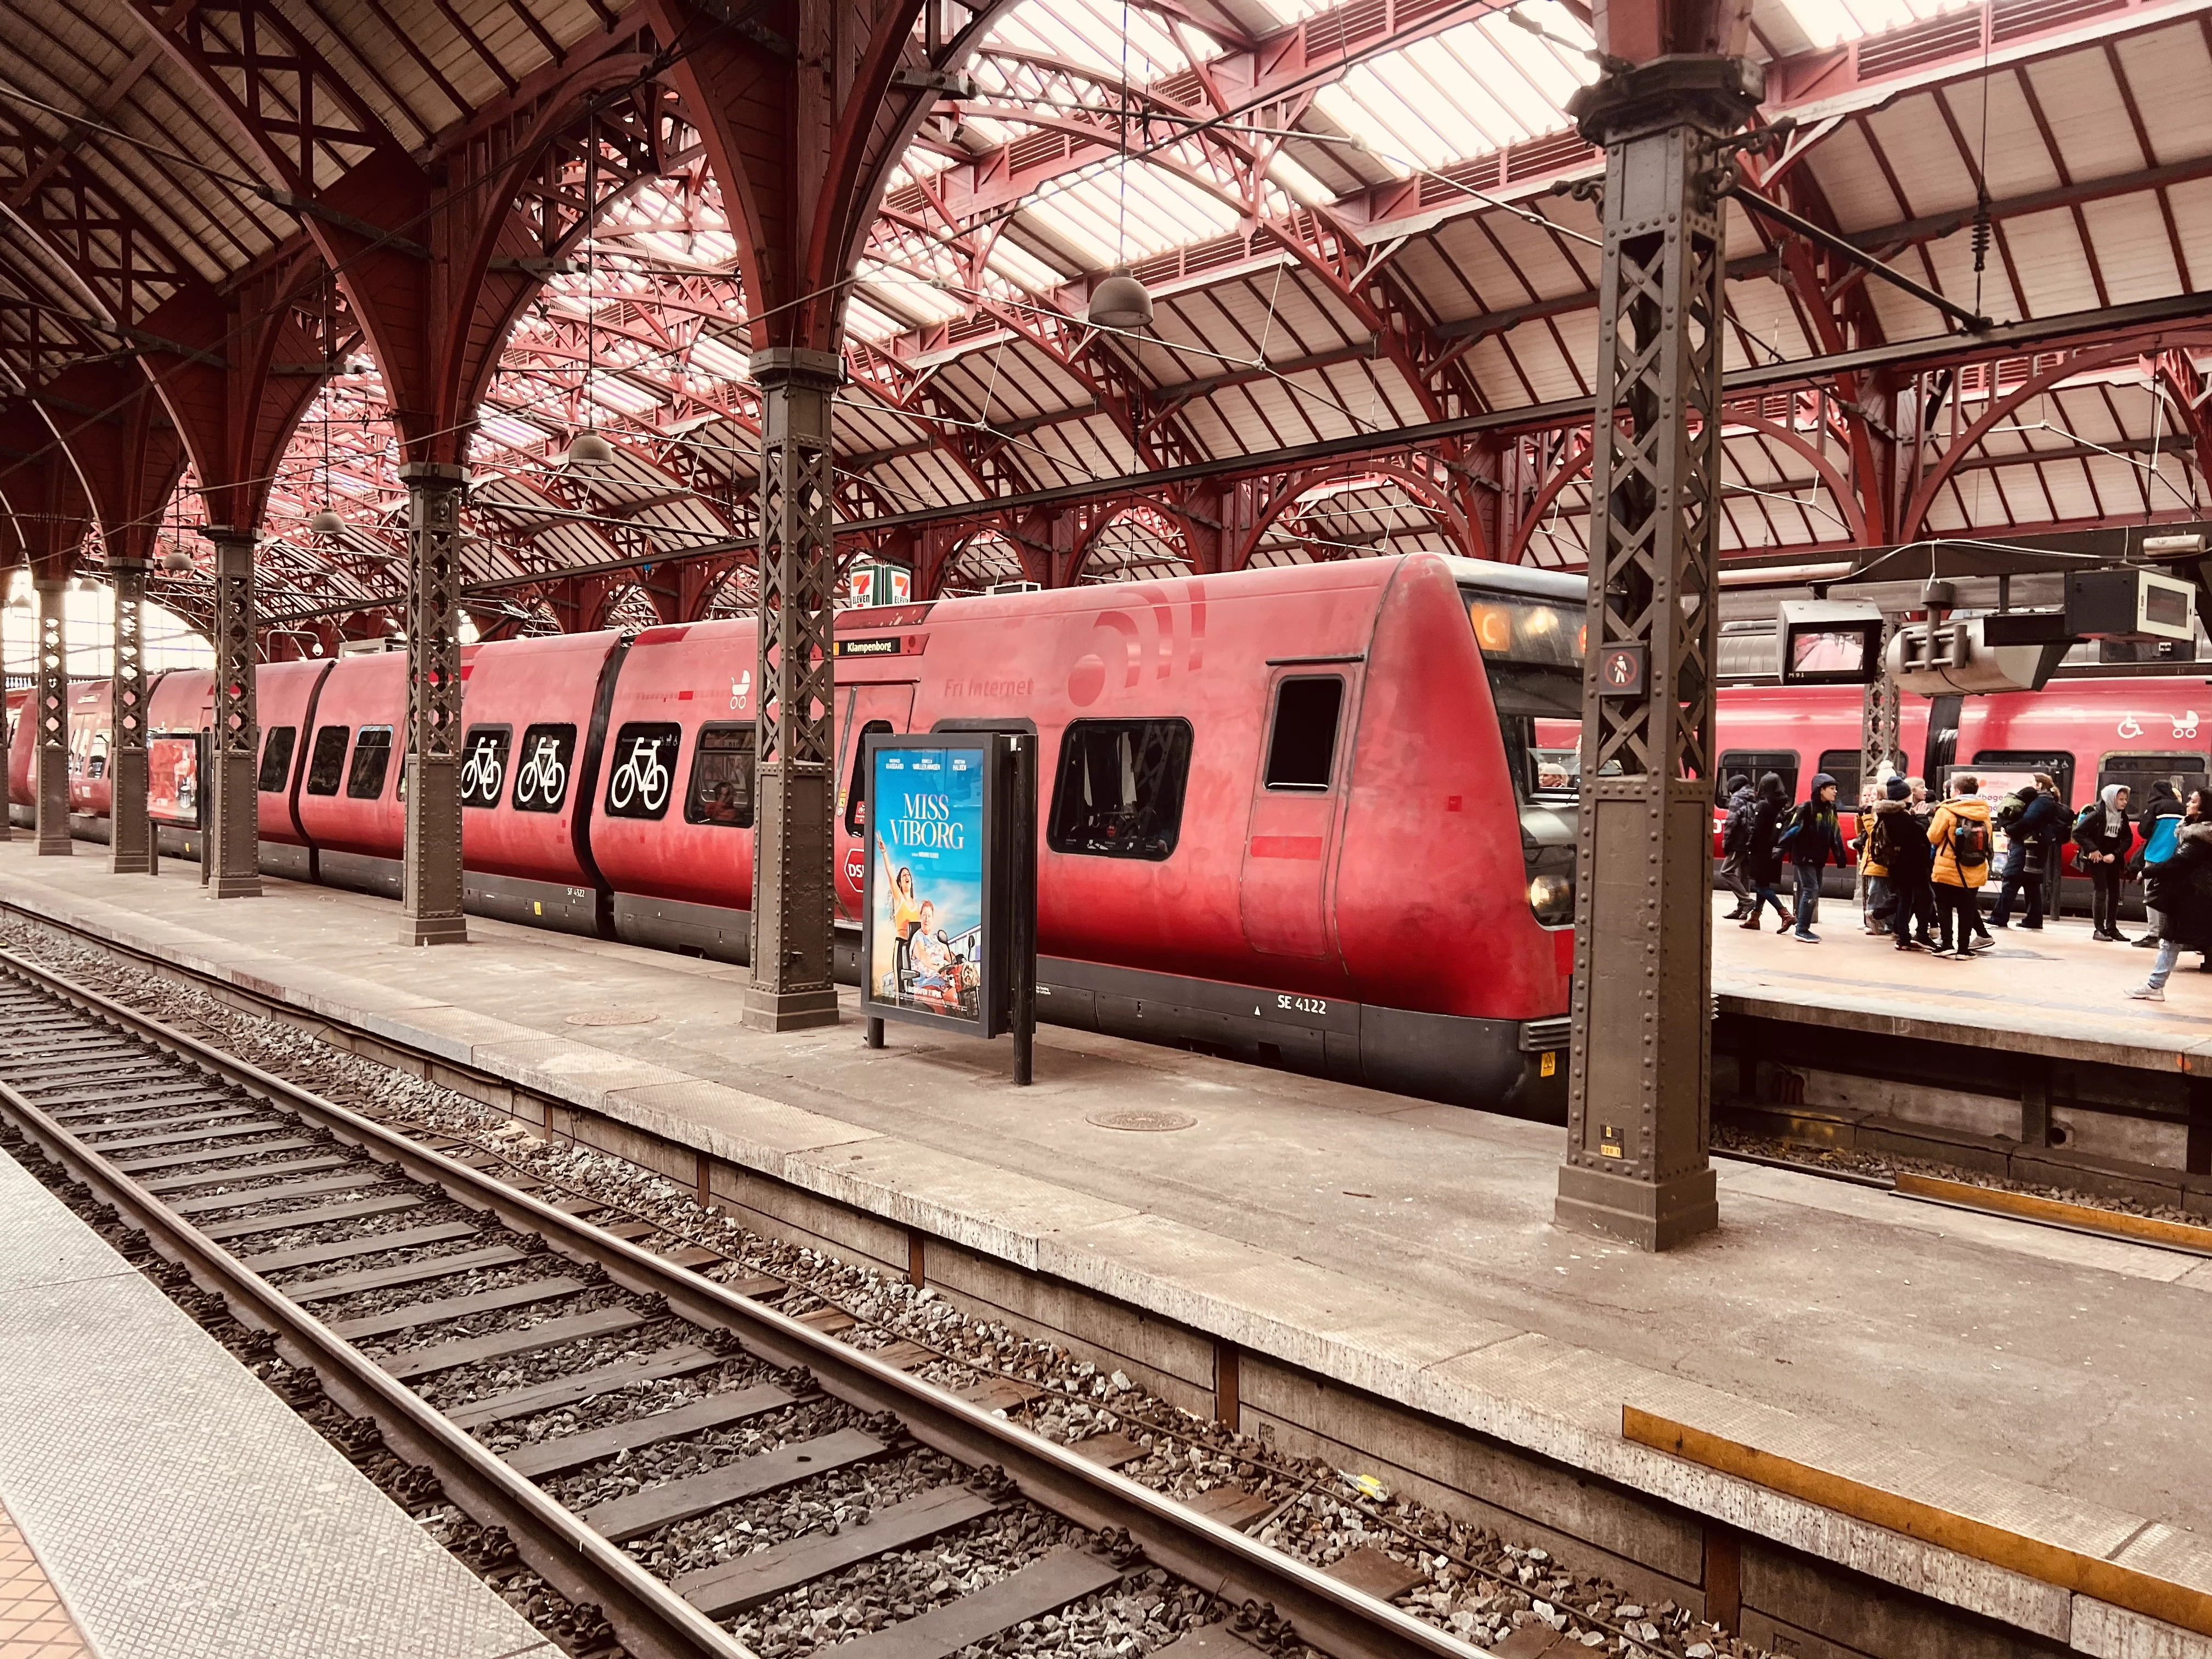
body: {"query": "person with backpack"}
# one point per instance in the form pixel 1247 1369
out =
pixel 1762 862
pixel 2105 836
pixel 2180 886
pixel 2160 826
pixel 1898 843
pixel 1812 841
pixel 1960 834
pixel 2038 822
pixel 1735 842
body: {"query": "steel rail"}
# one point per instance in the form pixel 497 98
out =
pixel 1327 1613
pixel 651 1619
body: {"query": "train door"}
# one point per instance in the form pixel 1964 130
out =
pixel 874 708
pixel 1290 841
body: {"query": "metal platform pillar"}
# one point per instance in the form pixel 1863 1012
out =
pixel 50 790
pixel 131 848
pixel 231 846
pixel 793 736
pixel 431 894
pixel 1639 1078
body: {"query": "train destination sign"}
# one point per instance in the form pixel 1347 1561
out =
pixel 947 922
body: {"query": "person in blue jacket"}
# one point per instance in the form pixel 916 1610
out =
pixel 1812 841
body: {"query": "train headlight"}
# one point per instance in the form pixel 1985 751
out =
pixel 1552 898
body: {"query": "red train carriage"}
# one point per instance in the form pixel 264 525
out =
pixel 1306 816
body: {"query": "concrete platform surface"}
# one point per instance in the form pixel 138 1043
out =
pixel 171 1506
pixel 2040 1378
pixel 2057 992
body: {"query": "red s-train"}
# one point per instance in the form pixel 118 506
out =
pixel 1302 816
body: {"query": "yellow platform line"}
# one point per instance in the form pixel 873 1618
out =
pixel 2031 1207
pixel 2049 1563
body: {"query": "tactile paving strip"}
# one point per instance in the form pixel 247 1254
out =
pixel 182 1509
pixel 33 1623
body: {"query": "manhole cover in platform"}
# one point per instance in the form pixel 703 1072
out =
pixel 615 1017
pixel 1143 1122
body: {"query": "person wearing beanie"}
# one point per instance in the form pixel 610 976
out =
pixel 2029 833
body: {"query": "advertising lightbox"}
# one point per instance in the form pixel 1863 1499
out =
pixel 928 923
pixel 174 775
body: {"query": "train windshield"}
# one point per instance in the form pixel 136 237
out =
pixel 1532 649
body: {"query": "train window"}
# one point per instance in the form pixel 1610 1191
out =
pixel 1756 763
pixel 484 764
pixel 2058 764
pixel 721 791
pixel 1842 765
pixel 856 791
pixel 326 765
pixel 371 758
pixel 277 758
pixel 2180 772
pixel 643 761
pixel 1302 754
pixel 541 770
pixel 1119 792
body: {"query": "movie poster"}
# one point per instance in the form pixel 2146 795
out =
pixel 172 779
pixel 926 888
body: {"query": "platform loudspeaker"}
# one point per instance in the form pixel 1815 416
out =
pixel 1955 657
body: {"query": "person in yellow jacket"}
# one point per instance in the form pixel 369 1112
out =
pixel 1960 834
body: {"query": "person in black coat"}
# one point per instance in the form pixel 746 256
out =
pixel 1900 846
pixel 2159 801
pixel 2030 840
pixel 2180 890
pixel 1735 835
pixel 1816 840
pixel 2105 835
pixel 1762 861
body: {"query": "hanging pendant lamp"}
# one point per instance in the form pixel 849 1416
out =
pixel 587 448
pixel 327 523
pixel 1119 301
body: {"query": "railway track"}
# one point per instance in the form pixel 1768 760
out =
pixel 623 1422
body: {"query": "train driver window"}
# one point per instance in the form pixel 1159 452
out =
pixel 856 791
pixel 2058 764
pixel 1756 763
pixel 484 764
pixel 541 768
pixel 95 761
pixel 1120 787
pixel 641 762
pixel 721 791
pixel 371 758
pixel 2180 772
pixel 1302 753
pixel 1842 765
pixel 326 765
pixel 277 759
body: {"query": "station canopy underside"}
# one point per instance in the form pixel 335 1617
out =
pixel 1352 220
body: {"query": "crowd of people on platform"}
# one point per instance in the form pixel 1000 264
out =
pixel 1927 860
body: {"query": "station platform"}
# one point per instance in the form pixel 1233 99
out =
pixel 2044 1382
pixel 158 1502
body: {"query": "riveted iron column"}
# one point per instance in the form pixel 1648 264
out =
pixel 130 850
pixel 232 847
pixel 430 900
pixel 793 739
pixel 50 790
pixel 1640 1072
pixel 1881 718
